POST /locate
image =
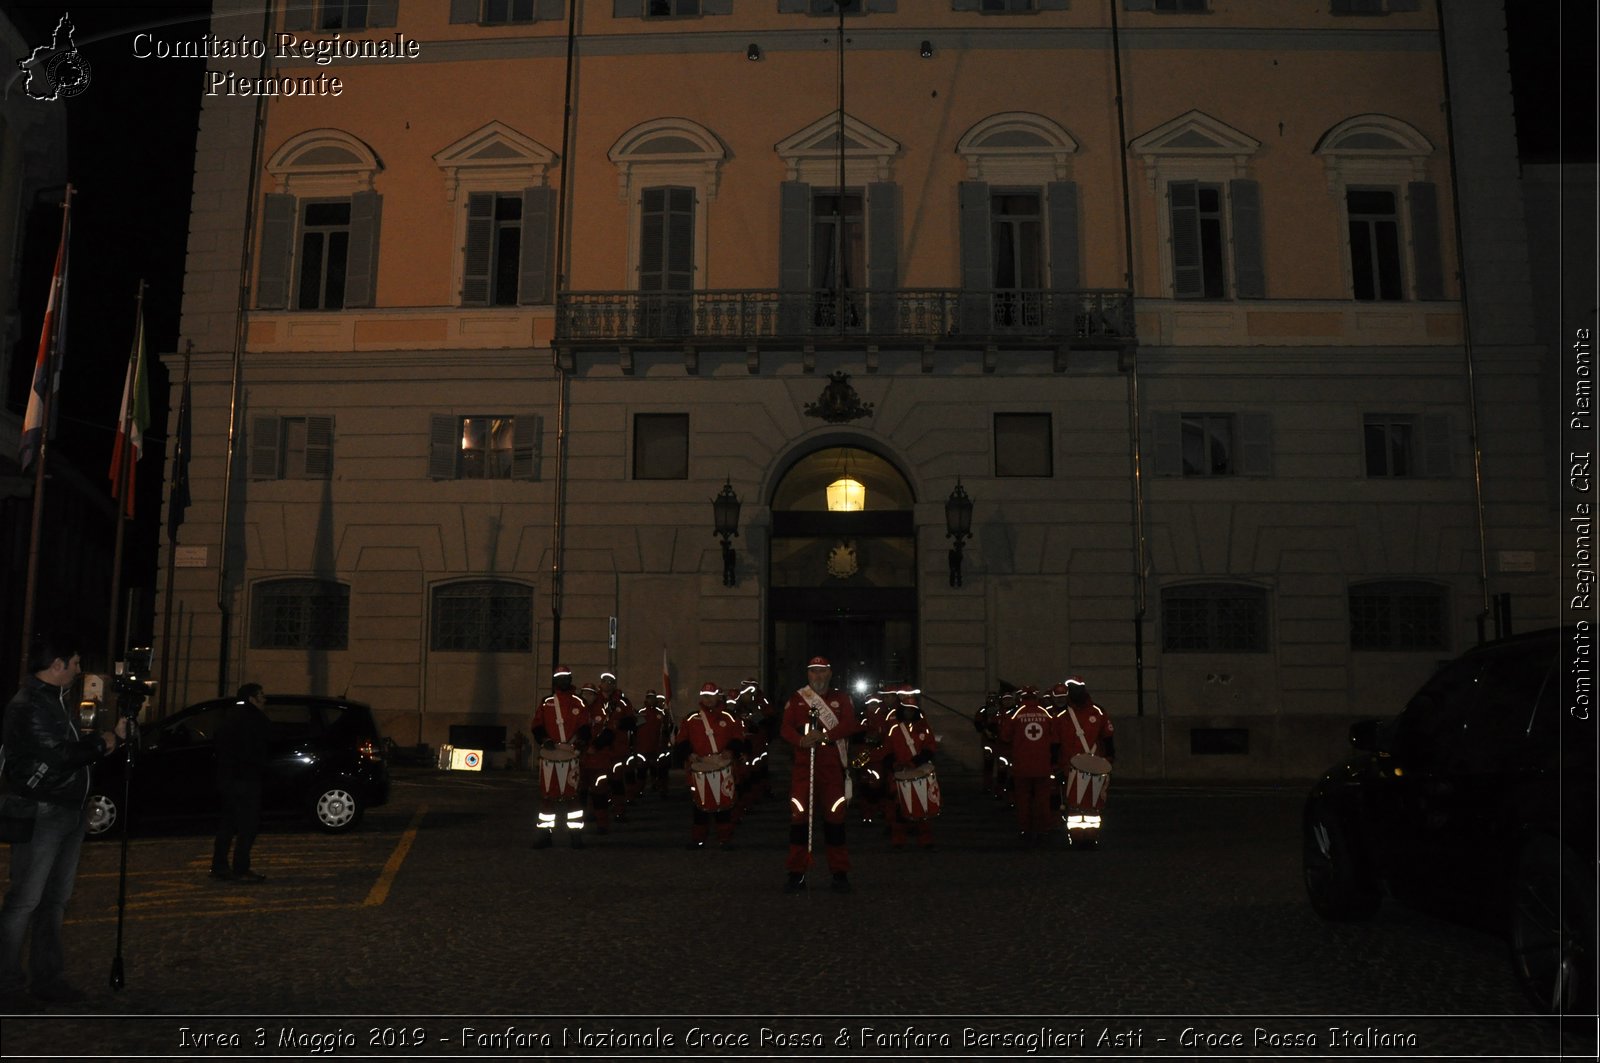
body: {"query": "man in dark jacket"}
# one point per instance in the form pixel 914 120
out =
pixel 241 754
pixel 46 760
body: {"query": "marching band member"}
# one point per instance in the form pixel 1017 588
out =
pixel 987 723
pixel 870 784
pixel 709 741
pixel 759 717
pixel 598 758
pixel 620 713
pixel 652 751
pixel 818 721
pixel 560 728
pixel 1030 733
pixel 1003 763
pixel 1088 750
pixel 909 746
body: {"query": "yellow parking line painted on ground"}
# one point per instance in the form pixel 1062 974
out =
pixel 380 889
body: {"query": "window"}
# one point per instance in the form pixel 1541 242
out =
pixel 661 446
pixel 291 448
pixel 324 250
pixel 1006 6
pixel 493 251
pixel 503 11
pixel 1181 6
pixel 838 236
pixel 1397 615
pixel 300 614
pixel 342 15
pixel 1022 445
pixel 1016 238
pixel 1198 258
pixel 1214 617
pixel 830 7
pixel 1374 243
pixel 1203 444
pixel 671 8
pixel 482 616
pixel 1390 446
pixel 483 447
pixel 319 235
pixel 338 14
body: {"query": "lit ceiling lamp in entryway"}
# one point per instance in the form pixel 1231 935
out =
pixel 846 494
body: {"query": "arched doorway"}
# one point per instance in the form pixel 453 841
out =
pixel 842 582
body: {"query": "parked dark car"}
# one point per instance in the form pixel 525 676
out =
pixel 325 760
pixel 1476 801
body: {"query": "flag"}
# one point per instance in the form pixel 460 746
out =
pixel 178 498
pixel 132 420
pixel 666 677
pixel 55 320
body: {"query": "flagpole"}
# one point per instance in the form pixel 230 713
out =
pixel 180 461
pixel 46 412
pixel 121 484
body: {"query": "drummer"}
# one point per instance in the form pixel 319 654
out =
pixel 708 742
pixel 908 744
pixel 1085 728
pixel 560 727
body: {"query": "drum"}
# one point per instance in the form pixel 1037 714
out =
pixel 711 779
pixel 1088 779
pixel 917 791
pixel 558 773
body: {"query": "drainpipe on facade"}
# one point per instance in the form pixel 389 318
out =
pixel 1141 569
pixel 1466 328
pixel 558 529
pixel 246 257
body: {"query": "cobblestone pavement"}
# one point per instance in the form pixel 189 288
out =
pixel 437 915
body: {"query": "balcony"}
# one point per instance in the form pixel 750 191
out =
pixel 904 317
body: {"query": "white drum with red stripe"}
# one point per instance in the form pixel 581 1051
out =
pixel 917 791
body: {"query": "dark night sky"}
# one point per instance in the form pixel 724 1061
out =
pixel 131 139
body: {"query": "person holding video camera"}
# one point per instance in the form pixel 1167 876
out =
pixel 43 758
pixel 241 755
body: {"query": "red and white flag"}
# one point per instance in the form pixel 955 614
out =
pixel 666 677
pixel 132 419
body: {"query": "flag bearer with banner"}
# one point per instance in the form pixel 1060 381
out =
pixel 818 721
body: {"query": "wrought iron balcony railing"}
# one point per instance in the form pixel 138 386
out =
pixel 1089 317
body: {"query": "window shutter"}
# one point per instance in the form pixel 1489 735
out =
pixel 382 13
pixel 1166 458
pixel 794 255
pixel 1062 198
pixel 680 240
pixel 475 257
pixel 627 8
pixel 1254 446
pixel 361 269
pixel 444 438
pixel 883 251
pixel 538 207
pixel 300 15
pixel 319 448
pixel 1424 197
pixel 464 11
pixel 1435 450
pixel 549 10
pixel 525 447
pixel 277 241
pixel 964 5
pixel 1249 272
pixel 1184 200
pixel 716 7
pixel 977 274
pixel 263 448
pixel 652 238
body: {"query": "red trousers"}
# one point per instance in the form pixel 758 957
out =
pixel 1032 797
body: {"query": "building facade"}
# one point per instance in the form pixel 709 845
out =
pixel 1170 292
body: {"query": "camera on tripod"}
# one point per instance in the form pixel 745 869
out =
pixel 127 684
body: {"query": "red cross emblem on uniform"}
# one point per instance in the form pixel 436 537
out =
pixel 1034 731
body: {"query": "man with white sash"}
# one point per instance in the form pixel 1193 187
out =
pixel 818 722
pixel 710 740
pixel 1088 731
pixel 560 728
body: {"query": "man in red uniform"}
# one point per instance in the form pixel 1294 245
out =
pixel 818 721
pixel 652 755
pixel 759 718
pixel 561 726
pixel 872 791
pixel 620 714
pixel 986 722
pixel 908 743
pixel 711 740
pixel 598 758
pixel 1084 728
pixel 1030 733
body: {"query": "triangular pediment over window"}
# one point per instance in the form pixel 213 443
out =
pixel 324 160
pixel 812 154
pixel 494 156
pixel 1195 140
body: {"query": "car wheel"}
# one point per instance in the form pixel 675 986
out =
pixel 1338 883
pixel 103 813
pixel 1552 943
pixel 337 809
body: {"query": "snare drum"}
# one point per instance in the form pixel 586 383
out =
pixel 917 791
pixel 711 779
pixel 1088 779
pixel 558 773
